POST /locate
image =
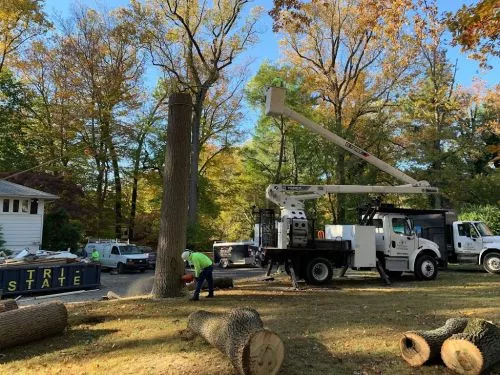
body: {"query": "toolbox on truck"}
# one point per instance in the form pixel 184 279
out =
pixel 28 279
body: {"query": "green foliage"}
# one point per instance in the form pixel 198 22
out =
pixel 2 241
pixel 14 101
pixel 59 233
pixel 488 213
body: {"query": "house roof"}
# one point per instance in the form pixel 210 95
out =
pixel 11 190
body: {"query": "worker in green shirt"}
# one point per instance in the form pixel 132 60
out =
pixel 95 256
pixel 202 270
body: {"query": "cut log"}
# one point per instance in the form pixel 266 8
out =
pixel 8 305
pixel 419 347
pixel 31 323
pixel 219 283
pixel 474 350
pixel 240 335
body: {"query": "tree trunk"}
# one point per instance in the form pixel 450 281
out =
pixel 220 282
pixel 277 177
pixel 32 323
pixel 8 305
pixel 474 350
pixel 195 156
pixel 419 347
pixel 135 173
pixel 241 336
pixel 118 189
pixel 172 237
pixel 340 198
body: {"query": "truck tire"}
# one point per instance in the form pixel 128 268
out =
pixel 491 262
pixel 319 271
pixel 426 267
pixel 223 263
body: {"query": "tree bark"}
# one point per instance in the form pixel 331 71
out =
pixel 241 336
pixel 172 237
pixel 419 347
pixel 8 305
pixel 32 323
pixel 474 350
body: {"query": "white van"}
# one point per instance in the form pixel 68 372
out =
pixel 120 256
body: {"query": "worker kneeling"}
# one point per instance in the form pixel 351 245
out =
pixel 202 271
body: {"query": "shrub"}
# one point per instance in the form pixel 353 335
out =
pixel 487 213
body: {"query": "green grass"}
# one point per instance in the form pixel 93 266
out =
pixel 350 328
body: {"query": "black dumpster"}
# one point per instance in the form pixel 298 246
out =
pixel 27 279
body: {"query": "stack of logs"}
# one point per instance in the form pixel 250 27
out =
pixel 466 346
pixel 23 325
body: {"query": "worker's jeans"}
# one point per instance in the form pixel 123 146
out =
pixel 206 273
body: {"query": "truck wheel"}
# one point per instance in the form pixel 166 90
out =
pixel 223 263
pixel 120 268
pixel 426 268
pixel 319 271
pixel 491 262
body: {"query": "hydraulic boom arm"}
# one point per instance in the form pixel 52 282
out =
pixel 275 106
pixel 292 196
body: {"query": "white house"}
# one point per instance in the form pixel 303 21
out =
pixel 21 215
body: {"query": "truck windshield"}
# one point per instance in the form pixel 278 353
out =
pixel 483 229
pixel 129 249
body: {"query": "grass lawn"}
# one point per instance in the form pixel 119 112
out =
pixel 352 327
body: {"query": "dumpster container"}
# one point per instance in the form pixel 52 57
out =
pixel 28 279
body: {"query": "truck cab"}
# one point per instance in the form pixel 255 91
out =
pixel 401 250
pixel 474 242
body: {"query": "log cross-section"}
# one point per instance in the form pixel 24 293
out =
pixel 474 350
pixel 8 305
pixel 420 347
pixel 241 336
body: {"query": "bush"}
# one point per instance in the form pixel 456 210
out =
pixel 59 233
pixel 2 241
pixel 487 213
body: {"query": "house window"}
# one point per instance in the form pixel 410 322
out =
pixel 25 206
pixel 6 205
pixel 34 207
pixel 15 205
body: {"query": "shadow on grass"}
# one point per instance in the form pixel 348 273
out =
pixel 69 339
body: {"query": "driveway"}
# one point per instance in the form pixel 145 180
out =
pixel 130 285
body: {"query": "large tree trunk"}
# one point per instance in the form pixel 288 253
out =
pixel 8 305
pixel 32 323
pixel 419 347
pixel 241 336
pixel 172 237
pixel 474 350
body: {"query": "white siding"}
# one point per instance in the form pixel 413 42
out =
pixel 22 230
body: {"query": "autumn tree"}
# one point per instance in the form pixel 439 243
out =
pixel 476 28
pixel 20 21
pixel 107 74
pixel 194 44
pixel 354 54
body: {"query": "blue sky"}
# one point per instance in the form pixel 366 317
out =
pixel 268 48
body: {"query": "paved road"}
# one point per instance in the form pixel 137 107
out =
pixel 129 285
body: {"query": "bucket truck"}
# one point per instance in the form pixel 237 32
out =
pixel 392 246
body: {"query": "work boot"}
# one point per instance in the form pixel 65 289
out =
pixel 194 298
pixel 210 296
